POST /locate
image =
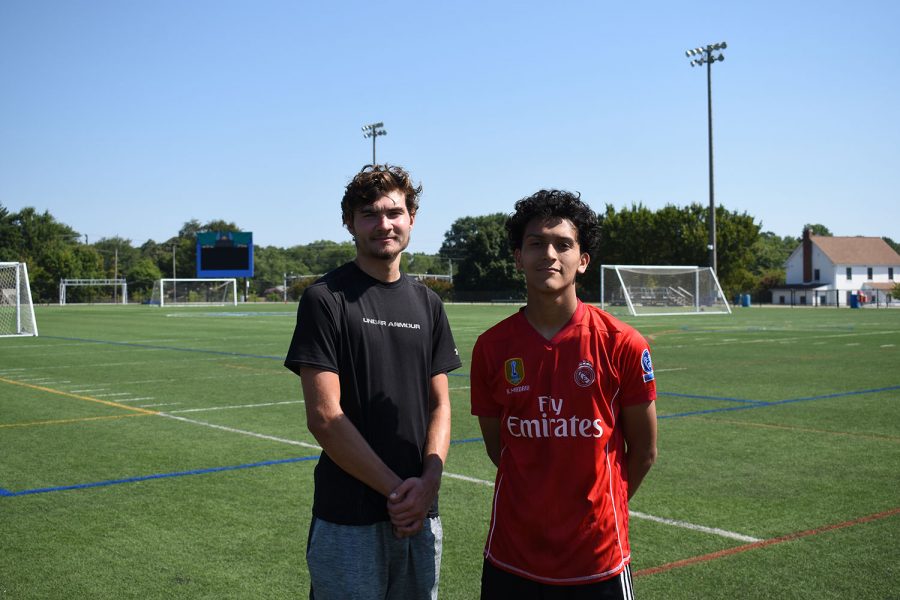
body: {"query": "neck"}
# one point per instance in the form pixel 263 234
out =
pixel 384 270
pixel 549 313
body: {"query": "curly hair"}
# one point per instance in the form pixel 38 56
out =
pixel 373 182
pixel 554 204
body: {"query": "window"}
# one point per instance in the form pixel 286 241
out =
pixel 891 273
pixel 849 273
pixel 815 275
pixel 869 273
pixel 780 299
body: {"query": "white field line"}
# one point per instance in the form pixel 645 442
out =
pixel 155 405
pixel 112 394
pixel 484 482
pixel 190 410
pixel 640 515
pixel 240 431
pixel 136 399
pixel 693 527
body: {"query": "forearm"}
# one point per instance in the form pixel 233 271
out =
pixel 437 442
pixel 338 436
pixel 343 443
pixel 637 466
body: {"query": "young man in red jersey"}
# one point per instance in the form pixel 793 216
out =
pixel 565 396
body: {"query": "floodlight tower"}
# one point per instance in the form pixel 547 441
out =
pixel 707 56
pixel 373 130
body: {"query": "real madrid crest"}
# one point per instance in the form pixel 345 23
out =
pixel 584 374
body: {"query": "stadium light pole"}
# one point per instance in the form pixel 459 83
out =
pixel 707 56
pixel 373 130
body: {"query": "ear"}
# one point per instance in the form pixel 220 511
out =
pixel 517 254
pixel 349 226
pixel 583 262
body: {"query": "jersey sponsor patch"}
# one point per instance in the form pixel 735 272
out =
pixel 647 366
pixel 584 374
pixel 514 370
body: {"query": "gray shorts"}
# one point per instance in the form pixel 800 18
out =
pixel 363 562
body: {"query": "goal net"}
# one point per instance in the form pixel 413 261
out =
pixel 194 292
pixel 661 290
pixel 16 307
pixel 93 291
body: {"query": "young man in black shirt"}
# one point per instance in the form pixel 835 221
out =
pixel 373 349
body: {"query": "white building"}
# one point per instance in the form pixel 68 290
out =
pixel 826 270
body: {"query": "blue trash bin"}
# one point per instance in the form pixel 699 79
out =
pixel 745 300
pixel 854 301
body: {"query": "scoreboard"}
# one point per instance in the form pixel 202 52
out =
pixel 225 254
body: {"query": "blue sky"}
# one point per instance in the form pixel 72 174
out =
pixel 130 118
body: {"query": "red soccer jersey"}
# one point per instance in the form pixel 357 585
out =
pixel 560 512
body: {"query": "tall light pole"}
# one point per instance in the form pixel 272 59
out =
pixel 707 56
pixel 373 130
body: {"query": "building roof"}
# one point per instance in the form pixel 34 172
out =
pixel 870 251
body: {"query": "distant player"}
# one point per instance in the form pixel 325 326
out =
pixel 565 396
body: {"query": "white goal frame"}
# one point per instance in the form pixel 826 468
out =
pixel 158 297
pixel 695 292
pixel 16 305
pixel 119 284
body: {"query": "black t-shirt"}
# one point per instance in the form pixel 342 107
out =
pixel 385 341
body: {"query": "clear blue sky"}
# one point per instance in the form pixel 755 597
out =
pixel 130 118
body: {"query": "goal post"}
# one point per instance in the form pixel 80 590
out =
pixel 661 290
pixel 16 306
pixel 93 291
pixel 194 292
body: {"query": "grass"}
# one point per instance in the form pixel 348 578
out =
pixel 777 425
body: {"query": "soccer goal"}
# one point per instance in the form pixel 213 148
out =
pixel 661 290
pixel 93 291
pixel 194 292
pixel 16 307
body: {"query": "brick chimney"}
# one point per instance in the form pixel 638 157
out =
pixel 807 257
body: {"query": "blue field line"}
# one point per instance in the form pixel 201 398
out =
pixel 722 398
pixel 177 349
pixel 763 404
pixel 82 486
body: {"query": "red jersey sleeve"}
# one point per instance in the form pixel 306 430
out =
pixel 483 404
pixel 638 381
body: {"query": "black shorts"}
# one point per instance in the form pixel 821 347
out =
pixel 497 584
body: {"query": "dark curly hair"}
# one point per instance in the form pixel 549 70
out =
pixel 555 204
pixel 373 182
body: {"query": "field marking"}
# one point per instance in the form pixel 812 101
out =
pixel 763 543
pixel 753 404
pixel 70 421
pixel 95 484
pixel 261 436
pixel 693 527
pixel 76 396
pixel 872 436
pixel 639 515
pixel 190 410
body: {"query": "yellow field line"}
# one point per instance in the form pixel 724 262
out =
pixel 65 421
pixel 76 396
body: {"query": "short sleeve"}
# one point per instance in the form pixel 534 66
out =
pixel 480 391
pixel 315 339
pixel 637 379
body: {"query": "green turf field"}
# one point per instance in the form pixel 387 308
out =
pixel 162 453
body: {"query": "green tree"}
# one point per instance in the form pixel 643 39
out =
pixel 818 229
pixel 478 245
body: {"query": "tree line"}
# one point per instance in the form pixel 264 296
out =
pixel 474 251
